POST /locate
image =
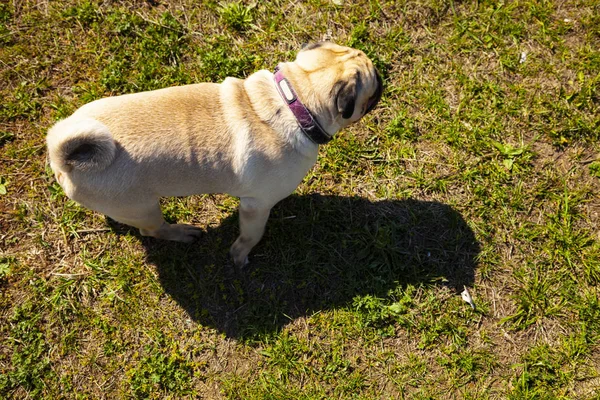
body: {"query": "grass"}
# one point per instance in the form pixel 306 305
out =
pixel 479 168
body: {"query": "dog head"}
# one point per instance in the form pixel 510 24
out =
pixel 338 84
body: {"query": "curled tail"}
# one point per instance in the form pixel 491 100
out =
pixel 84 145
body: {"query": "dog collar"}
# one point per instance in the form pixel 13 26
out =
pixel 307 122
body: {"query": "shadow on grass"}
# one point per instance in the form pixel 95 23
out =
pixel 318 252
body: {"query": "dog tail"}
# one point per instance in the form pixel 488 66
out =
pixel 83 145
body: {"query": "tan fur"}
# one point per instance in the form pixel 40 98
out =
pixel 119 155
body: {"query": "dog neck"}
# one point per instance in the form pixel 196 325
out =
pixel 308 124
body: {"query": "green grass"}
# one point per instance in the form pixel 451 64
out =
pixel 480 168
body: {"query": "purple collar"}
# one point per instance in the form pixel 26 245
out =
pixel 307 122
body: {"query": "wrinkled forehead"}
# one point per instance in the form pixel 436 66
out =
pixel 329 55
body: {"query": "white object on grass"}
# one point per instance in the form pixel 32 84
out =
pixel 523 57
pixel 466 296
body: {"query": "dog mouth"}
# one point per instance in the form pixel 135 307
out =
pixel 377 96
pixel 371 104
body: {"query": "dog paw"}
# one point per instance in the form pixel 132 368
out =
pixel 238 261
pixel 188 233
pixel 176 232
pixel 241 263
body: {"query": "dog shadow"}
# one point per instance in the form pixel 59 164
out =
pixel 318 252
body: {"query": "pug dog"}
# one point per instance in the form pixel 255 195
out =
pixel 253 138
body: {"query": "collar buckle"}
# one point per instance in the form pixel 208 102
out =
pixel 308 124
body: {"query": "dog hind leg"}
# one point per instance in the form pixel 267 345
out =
pixel 149 220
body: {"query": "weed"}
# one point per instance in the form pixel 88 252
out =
pixel 158 375
pixel 24 103
pixel 236 15
pixel 402 127
pixel 545 374
pixel 535 300
pixel 86 13
pixel 595 169
pixel 29 355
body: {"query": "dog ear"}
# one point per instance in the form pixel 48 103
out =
pixel 311 46
pixel 346 96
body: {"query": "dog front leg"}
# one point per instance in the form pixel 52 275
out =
pixel 253 218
